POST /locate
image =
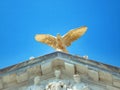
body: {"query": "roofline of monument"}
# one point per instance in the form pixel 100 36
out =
pixel 58 54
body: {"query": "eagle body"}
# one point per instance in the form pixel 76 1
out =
pixel 61 42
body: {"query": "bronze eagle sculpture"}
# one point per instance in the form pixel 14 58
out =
pixel 61 42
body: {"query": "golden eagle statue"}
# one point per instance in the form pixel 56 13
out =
pixel 61 42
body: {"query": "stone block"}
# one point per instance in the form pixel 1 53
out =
pixel 70 68
pixel 46 68
pixel 82 69
pixel 22 76
pixel 10 88
pixel 10 78
pixel 93 75
pixel 112 88
pixel 10 85
pixel 116 81
pixel 58 64
pixel 105 77
pixel 1 84
pixel 23 88
pixel 33 71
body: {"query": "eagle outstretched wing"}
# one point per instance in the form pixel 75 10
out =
pixel 47 39
pixel 74 35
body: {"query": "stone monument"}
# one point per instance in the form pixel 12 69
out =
pixel 42 73
pixel 56 84
pixel 78 85
pixel 59 70
pixel 37 85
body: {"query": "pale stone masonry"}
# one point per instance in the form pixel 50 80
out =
pixel 96 75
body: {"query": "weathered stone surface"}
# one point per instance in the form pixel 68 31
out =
pixel 89 71
pixel 70 69
pixel 23 88
pixel 22 76
pixel 1 84
pixel 5 79
pixel 46 68
pixel 83 69
pixel 10 85
pixel 33 71
pixel 58 64
pixel 116 81
pixel 112 88
pixel 10 88
pixel 9 78
pixel 96 87
pixel 105 77
pixel 93 75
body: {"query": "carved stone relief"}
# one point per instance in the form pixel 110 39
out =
pixel 36 85
pixel 58 83
pixel 78 85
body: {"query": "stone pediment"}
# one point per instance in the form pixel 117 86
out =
pixel 95 75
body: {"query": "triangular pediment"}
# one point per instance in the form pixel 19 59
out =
pixel 92 73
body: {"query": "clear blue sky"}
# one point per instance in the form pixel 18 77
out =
pixel 20 20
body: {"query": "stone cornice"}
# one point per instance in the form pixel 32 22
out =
pixel 67 57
